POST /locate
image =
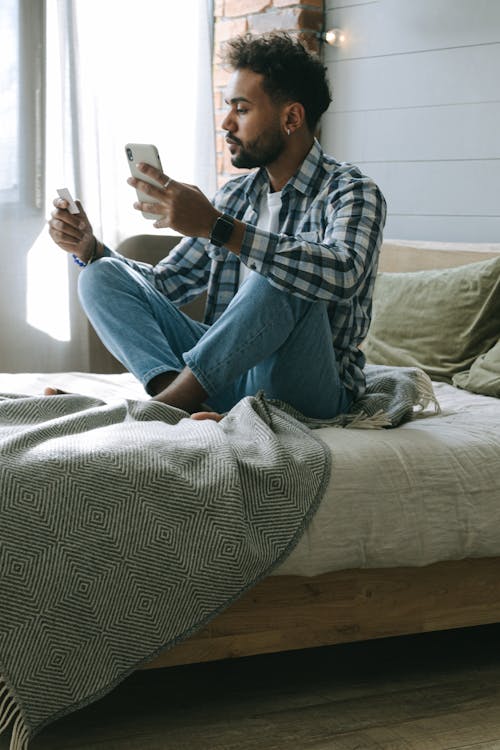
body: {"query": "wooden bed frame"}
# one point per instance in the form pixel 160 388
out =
pixel 285 613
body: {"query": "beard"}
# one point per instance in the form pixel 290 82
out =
pixel 265 149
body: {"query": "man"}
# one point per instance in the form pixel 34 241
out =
pixel 288 253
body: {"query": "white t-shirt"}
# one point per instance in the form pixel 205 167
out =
pixel 269 214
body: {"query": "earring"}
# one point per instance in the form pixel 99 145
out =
pixel 288 131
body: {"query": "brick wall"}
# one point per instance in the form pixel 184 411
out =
pixel 233 17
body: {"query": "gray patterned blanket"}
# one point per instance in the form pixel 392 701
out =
pixel 125 527
pixel 393 395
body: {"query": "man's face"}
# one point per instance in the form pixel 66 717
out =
pixel 254 133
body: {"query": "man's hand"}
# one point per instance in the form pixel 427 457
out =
pixel 181 207
pixel 72 232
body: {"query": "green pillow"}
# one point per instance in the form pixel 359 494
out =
pixel 439 320
pixel 484 375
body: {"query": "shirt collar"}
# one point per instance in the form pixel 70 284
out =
pixel 304 180
pixel 309 173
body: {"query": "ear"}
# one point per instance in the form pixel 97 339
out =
pixel 294 117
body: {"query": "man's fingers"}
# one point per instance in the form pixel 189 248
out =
pixel 61 230
pixel 150 208
pixel 152 172
pixel 62 236
pixel 62 205
pixel 78 222
pixel 72 220
pixel 64 241
pixel 162 223
pixel 69 229
pixel 155 191
pixel 82 210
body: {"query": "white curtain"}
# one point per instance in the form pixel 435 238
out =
pixel 102 74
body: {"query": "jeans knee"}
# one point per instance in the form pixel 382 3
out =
pixel 98 278
pixel 261 292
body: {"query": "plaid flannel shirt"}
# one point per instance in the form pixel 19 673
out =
pixel 331 223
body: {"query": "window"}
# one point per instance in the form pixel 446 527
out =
pixel 21 39
pixel 9 101
pixel 79 79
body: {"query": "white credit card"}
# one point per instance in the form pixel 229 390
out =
pixel 66 196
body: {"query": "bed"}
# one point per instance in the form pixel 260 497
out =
pixel 134 537
pixel 407 537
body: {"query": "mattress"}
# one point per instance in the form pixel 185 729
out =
pixel 423 492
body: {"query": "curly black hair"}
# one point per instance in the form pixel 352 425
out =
pixel 290 72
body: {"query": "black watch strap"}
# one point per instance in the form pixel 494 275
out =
pixel 222 230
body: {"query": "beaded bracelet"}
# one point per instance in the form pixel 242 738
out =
pixel 92 258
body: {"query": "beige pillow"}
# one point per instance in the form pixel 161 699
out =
pixel 439 320
pixel 484 375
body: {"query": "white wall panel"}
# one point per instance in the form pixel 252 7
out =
pixel 388 27
pixel 451 76
pixel 461 188
pixel 454 132
pixel 443 228
pixel 417 106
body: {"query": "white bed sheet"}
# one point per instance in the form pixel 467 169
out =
pixel 410 496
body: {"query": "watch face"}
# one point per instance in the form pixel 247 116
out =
pixel 222 230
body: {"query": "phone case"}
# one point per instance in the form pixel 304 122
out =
pixel 147 153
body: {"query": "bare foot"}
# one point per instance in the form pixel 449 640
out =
pixel 199 415
pixel 184 392
pixel 49 391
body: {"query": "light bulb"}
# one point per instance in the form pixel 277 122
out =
pixel 335 37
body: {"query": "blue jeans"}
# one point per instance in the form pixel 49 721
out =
pixel 266 339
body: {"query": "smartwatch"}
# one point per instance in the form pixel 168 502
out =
pixel 222 230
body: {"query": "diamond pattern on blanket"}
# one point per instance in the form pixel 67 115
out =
pixel 127 526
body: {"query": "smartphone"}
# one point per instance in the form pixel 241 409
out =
pixel 147 153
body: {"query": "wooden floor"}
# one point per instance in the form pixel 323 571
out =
pixel 437 691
